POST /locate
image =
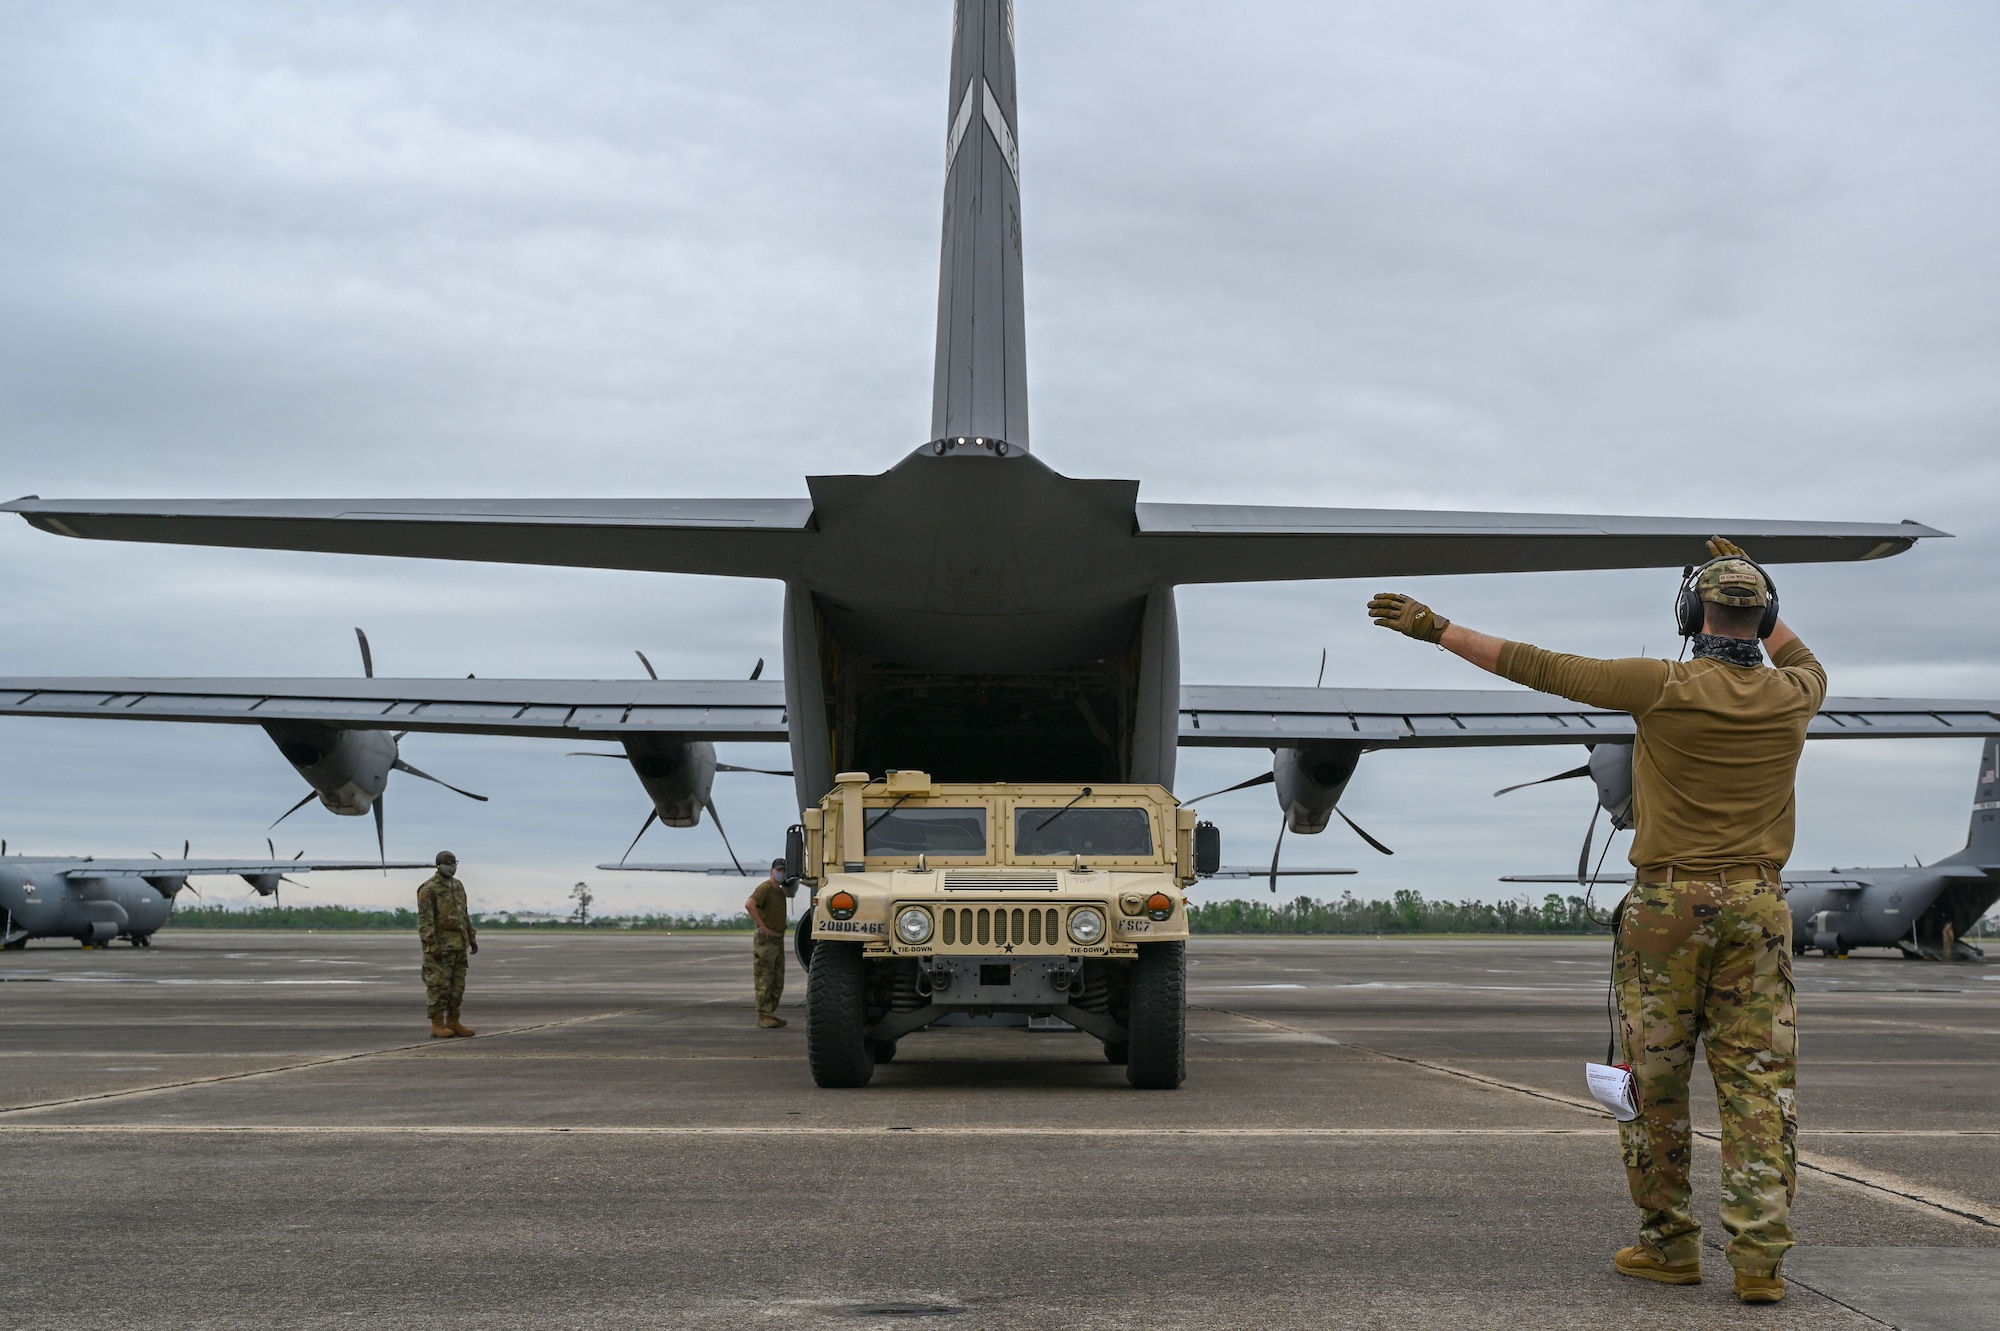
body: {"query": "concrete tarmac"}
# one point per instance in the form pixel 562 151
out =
pixel 254 1130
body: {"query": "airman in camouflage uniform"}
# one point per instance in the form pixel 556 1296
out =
pixel 444 926
pixel 1704 940
pixel 767 909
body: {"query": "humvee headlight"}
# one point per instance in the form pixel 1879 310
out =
pixel 1159 906
pixel 913 925
pixel 841 905
pixel 1086 925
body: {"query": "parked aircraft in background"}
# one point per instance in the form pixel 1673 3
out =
pixel 1923 911
pixel 97 900
pixel 970 612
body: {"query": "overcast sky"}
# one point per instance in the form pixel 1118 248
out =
pixel 1668 258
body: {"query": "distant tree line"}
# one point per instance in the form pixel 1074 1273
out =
pixel 1405 913
pixel 405 921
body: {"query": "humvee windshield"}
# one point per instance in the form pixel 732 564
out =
pixel 896 831
pixel 1083 831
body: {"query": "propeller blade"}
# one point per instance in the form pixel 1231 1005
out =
pixel 272 847
pixel 1360 833
pixel 1264 780
pixel 1583 860
pixel 650 672
pixel 381 837
pixel 732 767
pixel 310 796
pixel 184 848
pixel 1321 681
pixel 710 806
pixel 587 753
pixel 651 814
pixel 1570 775
pixel 402 766
pixel 1275 849
pixel 301 855
pixel 367 657
pixel 757 671
pixel 402 735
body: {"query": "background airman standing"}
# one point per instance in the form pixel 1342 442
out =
pixel 767 912
pixel 444 926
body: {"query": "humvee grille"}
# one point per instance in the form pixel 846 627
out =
pixel 990 926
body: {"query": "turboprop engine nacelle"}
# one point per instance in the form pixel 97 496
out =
pixel 347 769
pixel 1311 779
pixel 1611 772
pixel 678 775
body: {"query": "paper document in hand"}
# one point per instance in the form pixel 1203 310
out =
pixel 1613 1088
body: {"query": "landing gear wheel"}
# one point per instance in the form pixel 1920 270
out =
pixel 883 1051
pixel 1157 1057
pixel 837 1043
pixel 1116 1052
pixel 802 941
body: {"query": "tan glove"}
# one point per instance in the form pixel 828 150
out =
pixel 1405 614
pixel 1721 547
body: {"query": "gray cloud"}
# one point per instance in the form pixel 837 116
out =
pixel 1676 258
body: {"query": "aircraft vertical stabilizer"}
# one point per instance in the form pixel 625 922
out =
pixel 1982 839
pixel 981 388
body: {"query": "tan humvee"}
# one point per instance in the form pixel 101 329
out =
pixel 1050 901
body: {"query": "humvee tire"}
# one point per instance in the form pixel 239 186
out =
pixel 837 1043
pixel 1156 1058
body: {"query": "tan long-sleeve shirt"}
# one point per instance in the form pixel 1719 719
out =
pixel 1718 746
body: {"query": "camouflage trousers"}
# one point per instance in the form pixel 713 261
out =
pixel 1712 961
pixel 768 962
pixel 444 979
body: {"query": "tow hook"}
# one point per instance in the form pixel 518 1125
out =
pixel 934 979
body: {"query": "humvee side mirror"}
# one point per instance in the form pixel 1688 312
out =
pixel 795 853
pixel 1207 849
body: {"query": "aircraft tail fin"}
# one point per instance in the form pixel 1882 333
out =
pixel 1982 839
pixel 981 388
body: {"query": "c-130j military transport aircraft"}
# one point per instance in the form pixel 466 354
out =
pixel 970 612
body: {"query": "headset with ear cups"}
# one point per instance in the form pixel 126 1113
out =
pixel 1688 613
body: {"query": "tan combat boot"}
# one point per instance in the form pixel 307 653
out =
pixel 770 1022
pixel 456 1027
pixel 1643 1263
pixel 1759 1287
pixel 439 1031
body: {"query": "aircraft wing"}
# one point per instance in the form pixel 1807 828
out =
pixel 149 867
pixel 1194 543
pixel 1248 716
pixel 601 709
pixel 756 538
pixel 1253 871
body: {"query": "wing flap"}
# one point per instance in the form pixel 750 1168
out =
pixel 562 709
pixel 1249 716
